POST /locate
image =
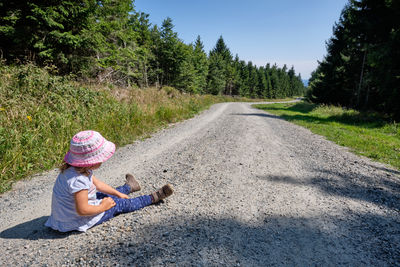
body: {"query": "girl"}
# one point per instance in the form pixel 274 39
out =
pixel 76 202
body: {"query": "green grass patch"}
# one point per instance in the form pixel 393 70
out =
pixel 39 113
pixel 367 134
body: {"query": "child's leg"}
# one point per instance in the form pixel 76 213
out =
pixel 125 189
pixel 126 205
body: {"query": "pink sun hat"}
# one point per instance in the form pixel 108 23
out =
pixel 88 148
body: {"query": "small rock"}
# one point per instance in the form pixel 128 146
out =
pixel 165 234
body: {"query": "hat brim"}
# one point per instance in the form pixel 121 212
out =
pixel 77 160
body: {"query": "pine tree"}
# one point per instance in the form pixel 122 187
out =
pixel 168 57
pixel 236 76
pixel 361 66
pixel 216 75
pixel 283 82
pixel 48 32
pixel 244 89
pixel 187 75
pixel 140 24
pixel 110 41
pixel 252 79
pixel 224 53
pixel 262 83
pixel 222 50
pixel 200 63
pixel 275 90
pixel 268 89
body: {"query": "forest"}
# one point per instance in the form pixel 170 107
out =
pixel 110 42
pixel 361 69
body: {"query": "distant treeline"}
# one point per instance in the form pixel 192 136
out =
pixel 362 66
pixel 109 41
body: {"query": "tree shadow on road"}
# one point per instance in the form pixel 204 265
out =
pixel 272 241
pixel 33 230
pixel 394 172
pixel 259 115
pixel 383 191
pixel 367 120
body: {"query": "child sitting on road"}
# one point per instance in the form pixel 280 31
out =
pixel 80 200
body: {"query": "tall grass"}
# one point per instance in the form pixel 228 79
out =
pixel 39 113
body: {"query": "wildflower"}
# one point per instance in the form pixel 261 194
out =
pixel 2 109
pixel 29 118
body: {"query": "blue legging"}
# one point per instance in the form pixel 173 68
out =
pixel 123 205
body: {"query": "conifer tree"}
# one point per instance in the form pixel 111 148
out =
pixel 110 41
pixel 361 67
pixel 268 88
pixel 48 32
pixel 168 55
pixel 142 27
pixel 115 41
pixel 216 74
pixel 187 75
pixel 275 92
pixel 222 50
pixel 236 76
pixel 262 83
pixel 253 80
pixel 244 89
pixel 200 63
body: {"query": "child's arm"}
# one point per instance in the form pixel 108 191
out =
pixel 84 209
pixel 105 188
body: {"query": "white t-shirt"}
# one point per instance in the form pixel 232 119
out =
pixel 63 216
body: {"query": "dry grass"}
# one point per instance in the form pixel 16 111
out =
pixel 39 113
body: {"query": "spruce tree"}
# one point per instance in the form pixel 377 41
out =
pixel 200 63
pixel 222 50
pixel 187 76
pixel 244 89
pixel 216 75
pixel 140 24
pixel 48 32
pixel 361 67
pixel 115 41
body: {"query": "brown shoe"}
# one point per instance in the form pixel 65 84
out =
pixel 162 193
pixel 133 184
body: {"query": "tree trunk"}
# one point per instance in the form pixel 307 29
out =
pixel 361 79
pixel 146 80
pixel 366 98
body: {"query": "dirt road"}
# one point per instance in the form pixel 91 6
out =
pixel 251 190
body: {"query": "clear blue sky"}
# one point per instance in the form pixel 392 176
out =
pixel 262 31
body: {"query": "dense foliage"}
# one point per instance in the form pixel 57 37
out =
pixel 112 42
pixel 362 66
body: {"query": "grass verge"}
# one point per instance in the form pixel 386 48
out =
pixel 365 134
pixel 39 113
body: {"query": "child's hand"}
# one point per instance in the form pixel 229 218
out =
pixel 121 195
pixel 107 203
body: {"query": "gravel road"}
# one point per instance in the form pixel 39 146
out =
pixel 251 190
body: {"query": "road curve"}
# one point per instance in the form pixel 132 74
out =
pixel 251 190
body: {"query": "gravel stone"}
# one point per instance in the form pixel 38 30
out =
pixel 251 190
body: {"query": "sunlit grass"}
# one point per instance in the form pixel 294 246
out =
pixel 39 113
pixel 367 134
